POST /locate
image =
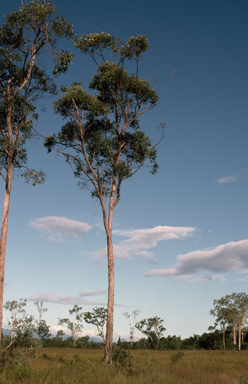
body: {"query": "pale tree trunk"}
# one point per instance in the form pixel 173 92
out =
pixel 240 329
pixel 234 335
pixel 224 340
pixel 3 240
pixel 110 318
pixel 241 324
pixel 111 279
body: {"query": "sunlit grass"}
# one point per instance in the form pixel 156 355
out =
pixel 192 367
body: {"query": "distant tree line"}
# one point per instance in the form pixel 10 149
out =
pixel 231 314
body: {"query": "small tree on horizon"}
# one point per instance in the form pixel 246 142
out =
pixel 150 327
pixel 77 327
pixel 17 311
pixel 41 310
pixel 135 313
pixel 60 334
pixel 97 317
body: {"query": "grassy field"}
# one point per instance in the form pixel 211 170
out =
pixel 86 366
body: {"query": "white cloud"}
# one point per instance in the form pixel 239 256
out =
pixel 142 239
pixel 226 180
pixel 228 257
pixel 85 332
pixel 56 228
pixel 68 300
pixel 126 337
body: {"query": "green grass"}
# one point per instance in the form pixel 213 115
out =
pixel 74 366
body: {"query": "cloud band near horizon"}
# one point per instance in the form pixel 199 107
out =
pixel 68 300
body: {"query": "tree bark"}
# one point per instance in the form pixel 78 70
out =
pixel 234 335
pixel 3 240
pixel 110 317
pixel 240 329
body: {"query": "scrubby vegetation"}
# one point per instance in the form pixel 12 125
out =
pixel 86 366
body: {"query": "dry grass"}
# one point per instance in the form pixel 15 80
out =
pixel 194 367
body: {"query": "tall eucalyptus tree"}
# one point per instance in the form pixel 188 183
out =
pixel 25 35
pixel 101 139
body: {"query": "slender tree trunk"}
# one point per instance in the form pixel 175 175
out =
pixel 234 335
pixel 240 338
pixel 224 340
pixel 158 343
pixel 110 318
pixel 241 324
pixel 3 240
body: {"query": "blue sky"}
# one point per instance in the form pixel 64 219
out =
pixel 180 236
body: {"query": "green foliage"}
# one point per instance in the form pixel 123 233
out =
pixel 46 356
pixel 77 327
pixel 101 139
pixel 96 42
pixel 22 346
pixel 76 359
pixel 29 29
pixel 60 334
pixel 18 314
pixel 122 358
pixel 177 357
pixel 134 47
pixel 60 358
pixel 20 373
pixel 43 330
pixel 113 83
pixel 97 317
pixel 150 327
pixel 24 35
pixel 232 310
pixel 243 379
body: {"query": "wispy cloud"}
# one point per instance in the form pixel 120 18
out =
pixel 242 278
pixel 228 257
pixel 226 180
pixel 140 240
pixel 92 293
pixel 201 278
pixel 57 228
pixel 69 300
pixel 232 178
pixel 73 300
